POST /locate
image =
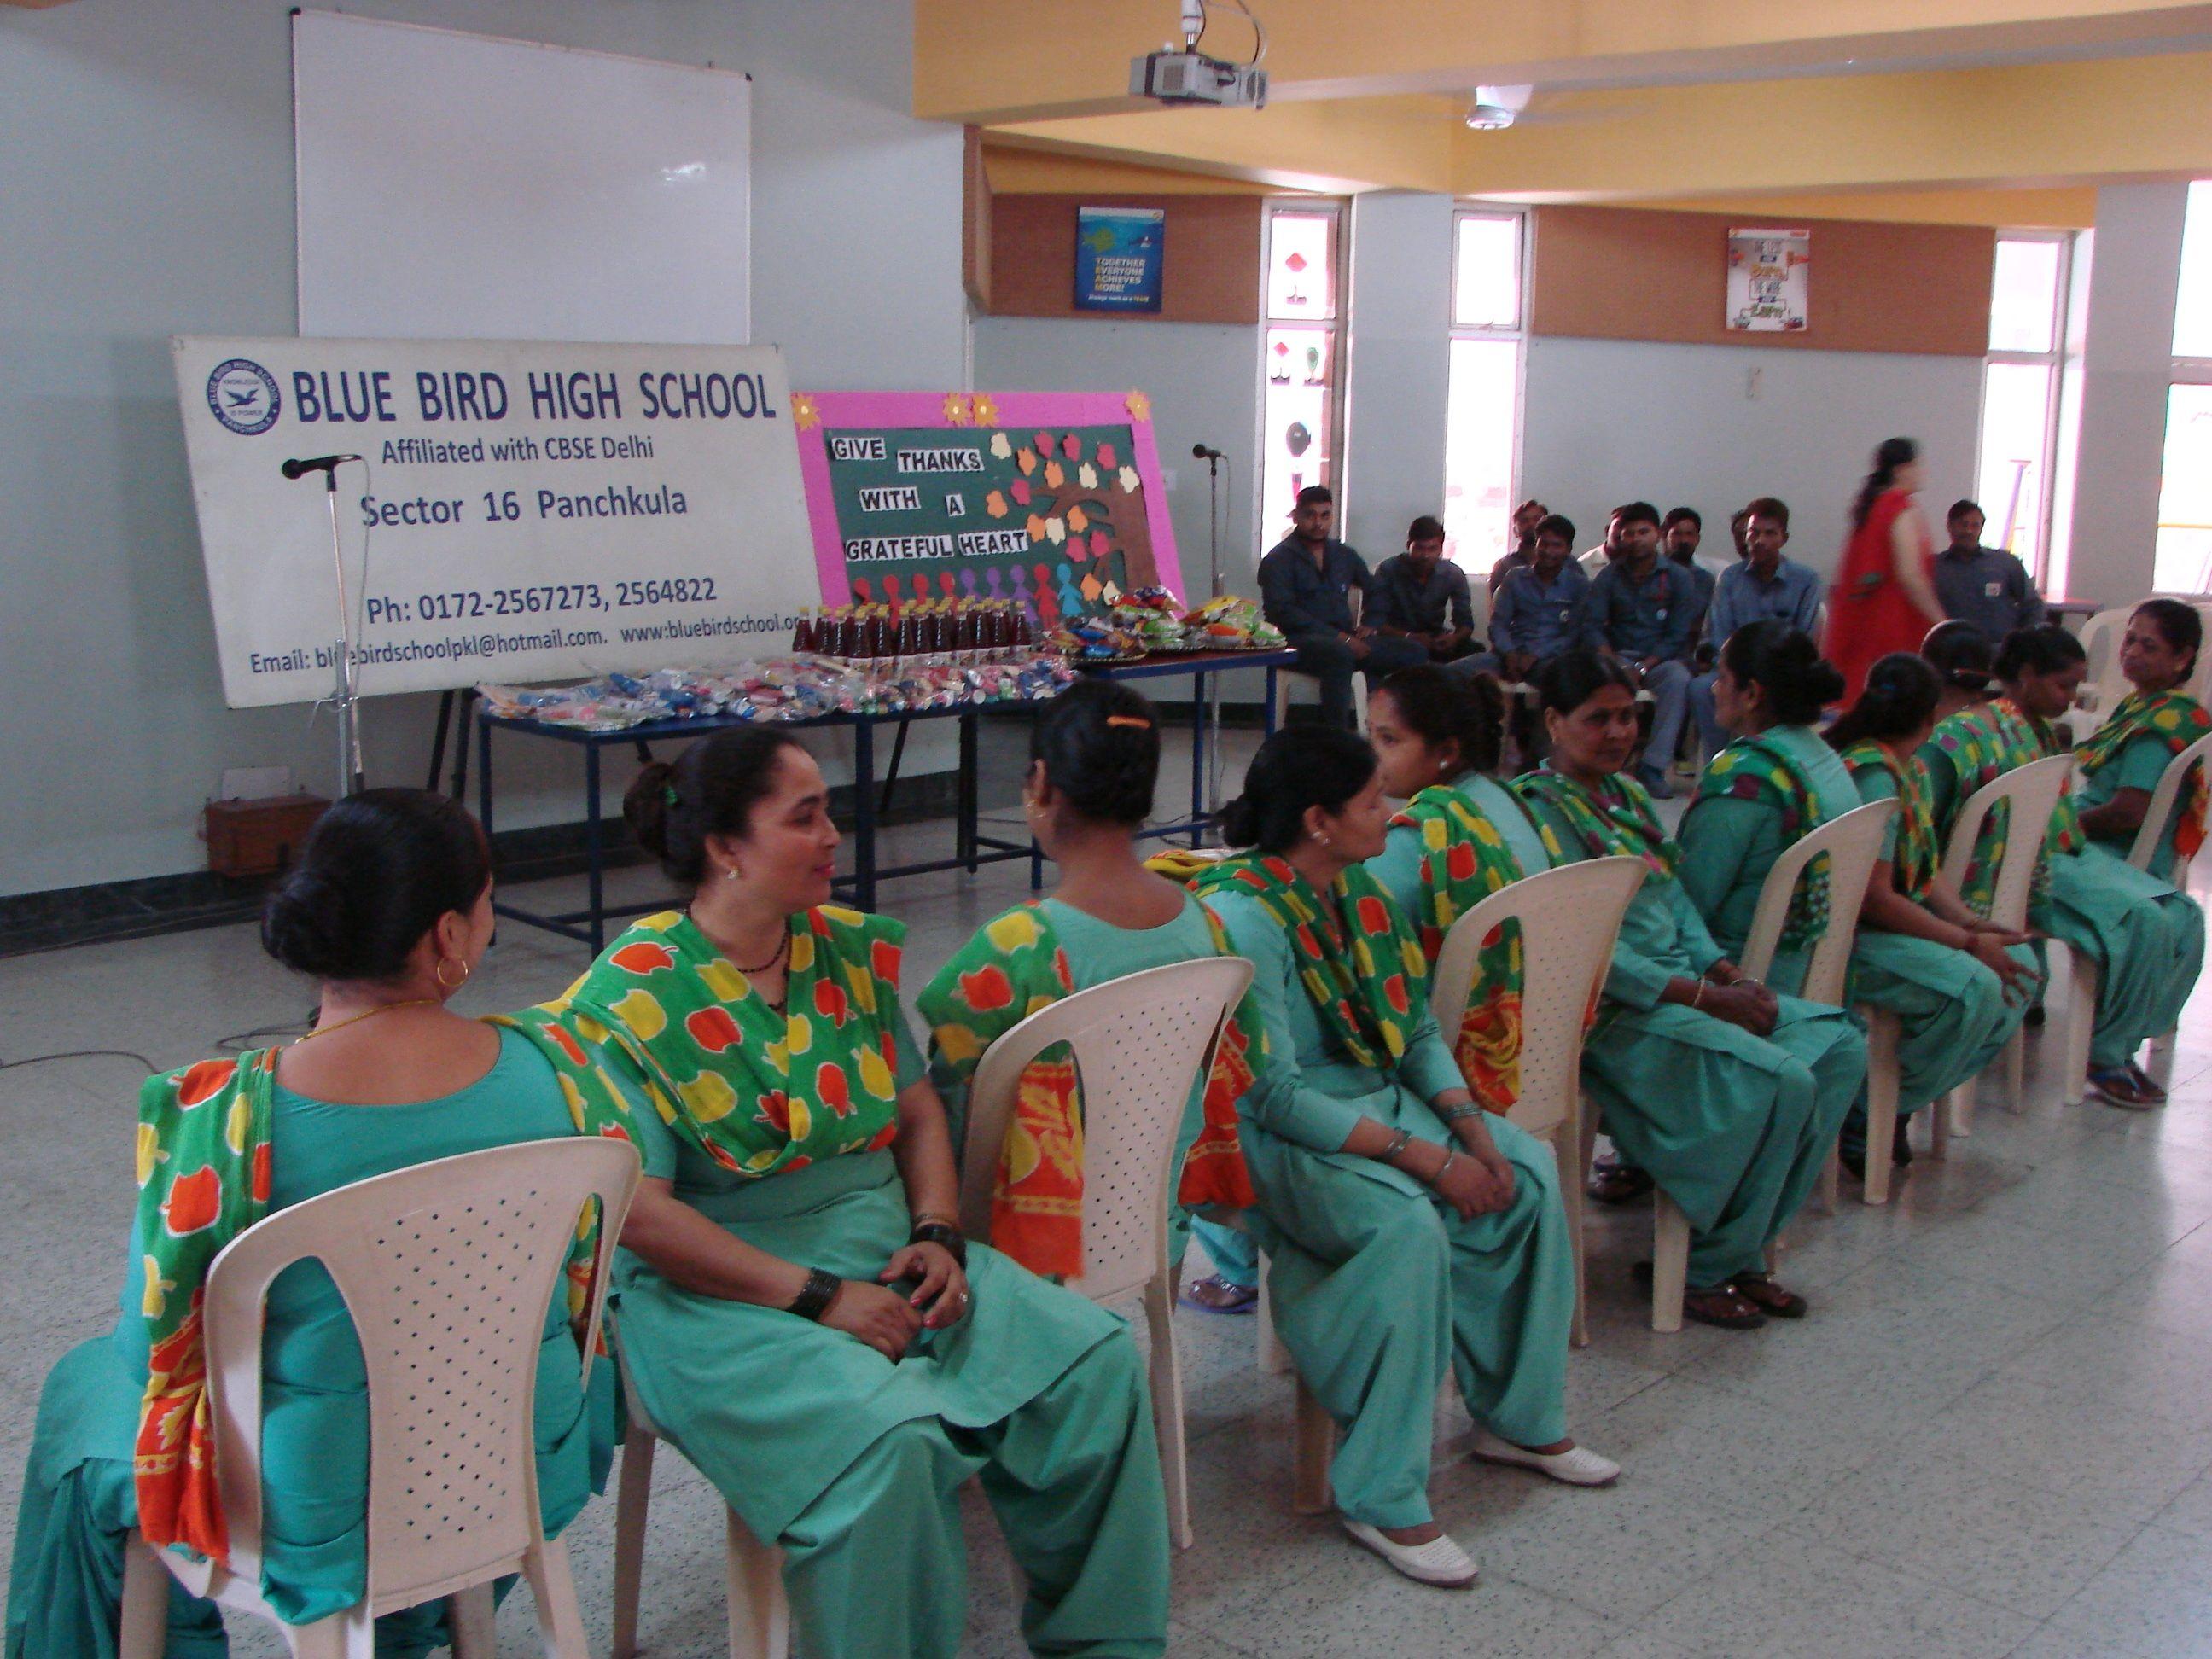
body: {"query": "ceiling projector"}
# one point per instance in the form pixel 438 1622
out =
pixel 1192 77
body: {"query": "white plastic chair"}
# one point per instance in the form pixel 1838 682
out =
pixel 446 1269
pixel 1357 600
pixel 2082 1005
pixel 1140 1043
pixel 2032 792
pixel 1852 842
pixel 2103 684
pixel 1569 919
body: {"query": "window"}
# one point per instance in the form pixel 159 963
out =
pixel 1482 418
pixel 2185 497
pixel 2020 393
pixel 1302 365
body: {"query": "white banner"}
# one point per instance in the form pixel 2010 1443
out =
pixel 520 511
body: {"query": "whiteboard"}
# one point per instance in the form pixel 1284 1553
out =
pixel 457 186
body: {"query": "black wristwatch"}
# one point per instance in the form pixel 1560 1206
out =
pixel 943 1233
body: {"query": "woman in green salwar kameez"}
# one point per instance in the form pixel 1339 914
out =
pixel 1780 779
pixel 390 907
pixel 2145 937
pixel 1410 1231
pixel 798 1308
pixel 1729 1094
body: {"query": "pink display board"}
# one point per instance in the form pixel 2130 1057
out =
pixel 1050 499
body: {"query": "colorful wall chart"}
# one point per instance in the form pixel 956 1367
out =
pixel 1119 256
pixel 1045 498
pixel 1768 273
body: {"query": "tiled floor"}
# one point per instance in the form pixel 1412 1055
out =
pixel 1992 1436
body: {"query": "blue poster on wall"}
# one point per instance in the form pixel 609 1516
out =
pixel 1117 258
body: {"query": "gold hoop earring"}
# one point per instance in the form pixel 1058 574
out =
pixel 439 973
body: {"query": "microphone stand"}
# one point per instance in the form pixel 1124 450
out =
pixel 1213 681
pixel 352 777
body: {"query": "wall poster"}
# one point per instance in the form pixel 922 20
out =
pixel 1766 279
pixel 1118 252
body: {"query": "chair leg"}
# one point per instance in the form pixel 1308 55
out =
pixel 553 1587
pixel 1566 1141
pixel 1963 1099
pixel 145 1630
pixel 1167 1406
pixel 760 1618
pixel 2161 1059
pixel 474 1617
pixel 1670 1264
pixel 1941 1111
pixel 1832 1181
pixel 2080 1023
pixel 2015 1072
pixel 632 1498
pixel 348 1635
pixel 1312 1447
pixel 1275 1357
pixel 1882 1105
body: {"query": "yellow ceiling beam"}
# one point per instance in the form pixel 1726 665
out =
pixel 2063 208
pixel 2055 125
pixel 994 62
pixel 1048 173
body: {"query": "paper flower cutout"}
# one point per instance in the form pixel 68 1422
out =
pixel 958 411
pixel 1053 477
pixel 1101 543
pixel 804 414
pixel 1070 447
pixel 1026 460
pixel 995 504
pixel 1106 456
pixel 1128 479
pixel 985 409
pixel 1043 441
pixel 1057 530
pixel 1019 490
pixel 1139 405
pixel 1036 527
pixel 1087 475
pixel 1002 447
pixel 1078 519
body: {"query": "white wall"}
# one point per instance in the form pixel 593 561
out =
pixel 147 171
pixel 1203 380
pixel 2127 364
pixel 1613 421
pixel 1398 370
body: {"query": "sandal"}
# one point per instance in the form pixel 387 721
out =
pixel 2146 1086
pixel 2116 1088
pixel 1722 1305
pixel 1769 1297
pixel 1215 1294
pixel 1619 1183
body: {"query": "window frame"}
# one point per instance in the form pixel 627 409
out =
pixel 1337 211
pixel 2054 360
pixel 1524 220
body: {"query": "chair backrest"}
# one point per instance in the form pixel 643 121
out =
pixel 2103 684
pixel 1569 919
pixel 2165 799
pixel 446 1269
pixel 2200 676
pixel 1853 844
pixel 2031 793
pixel 1139 1042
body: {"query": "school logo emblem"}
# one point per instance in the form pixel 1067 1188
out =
pixel 244 397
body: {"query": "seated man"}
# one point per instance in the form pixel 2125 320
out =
pixel 1679 533
pixel 1984 585
pixel 1526 517
pixel 1643 609
pixel 1765 585
pixel 1417 596
pixel 1305 590
pixel 1540 609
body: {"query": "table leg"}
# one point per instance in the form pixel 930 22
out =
pixel 594 855
pixel 438 740
pixel 1197 756
pixel 1268 707
pixel 468 701
pixel 968 809
pixel 863 814
pixel 483 769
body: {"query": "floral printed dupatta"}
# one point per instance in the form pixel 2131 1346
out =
pixel 1012 968
pixel 2176 721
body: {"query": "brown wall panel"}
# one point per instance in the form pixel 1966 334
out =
pixel 1636 274
pixel 1210 271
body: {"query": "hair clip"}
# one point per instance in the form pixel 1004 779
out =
pixel 1138 721
pixel 668 794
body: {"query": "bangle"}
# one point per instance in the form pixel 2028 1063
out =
pixel 1399 1142
pixel 815 1297
pixel 921 1216
pixel 1697 992
pixel 948 1238
pixel 1451 1157
pixel 1459 1114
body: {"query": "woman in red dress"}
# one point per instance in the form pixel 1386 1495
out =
pixel 1884 596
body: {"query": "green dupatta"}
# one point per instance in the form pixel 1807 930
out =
pixel 1366 986
pixel 1918 858
pixel 1982 744
pixel 1614 820
pixel 756 1090
pixel 1013 967
pixel 204 1171
pixel 1759 769
pixel 2177 721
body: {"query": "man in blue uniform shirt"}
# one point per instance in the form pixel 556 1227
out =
pixel 1305 590
pixel 1763 586
pixel 1420 596
pixel 1644 610
pixel 1984 585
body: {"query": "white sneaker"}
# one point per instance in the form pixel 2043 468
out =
pixel 1580 1466
pixel 1439 1562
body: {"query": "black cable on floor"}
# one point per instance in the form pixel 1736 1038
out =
pixel 81 1053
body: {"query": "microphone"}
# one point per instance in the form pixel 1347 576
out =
pixel 1199 452
pixel 297 468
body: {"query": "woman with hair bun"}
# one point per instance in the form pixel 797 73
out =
pixel 1409 1229
pixel 1727 1094
pixel 1960 985
pixel 1094 759
pixel 1884 595
pixel 799 1311
pixel 390 909
pixel 1461 836
pixel 2145 937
